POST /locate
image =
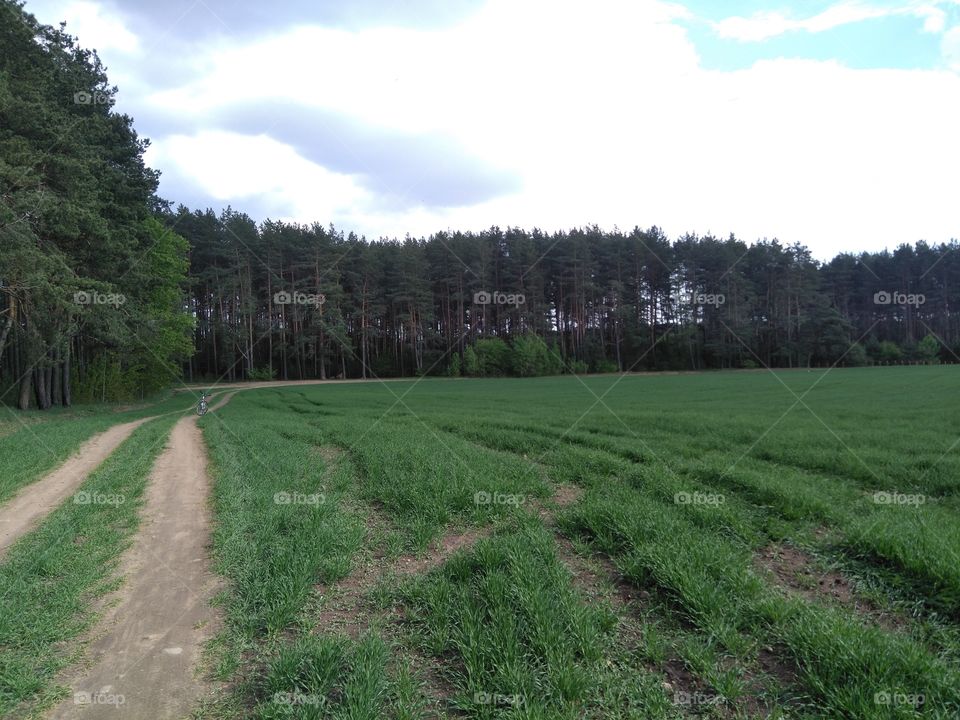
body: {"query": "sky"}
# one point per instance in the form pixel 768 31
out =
pixel 835 124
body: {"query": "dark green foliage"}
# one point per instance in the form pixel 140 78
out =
pixel 90 282
pixel 493 357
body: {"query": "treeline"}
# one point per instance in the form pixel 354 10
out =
pixel 107 294
pixel 291 302
pixel 92 301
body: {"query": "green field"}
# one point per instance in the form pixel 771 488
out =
pixel 729 554
pixel 729 545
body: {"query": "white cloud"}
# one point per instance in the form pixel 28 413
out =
pixel 605 115
pixel 231 168
pixel 934 18
pixel 96 29
pixel 764 25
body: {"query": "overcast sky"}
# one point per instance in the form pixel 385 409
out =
pixel 833 124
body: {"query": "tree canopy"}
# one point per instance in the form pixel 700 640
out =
pixel 90 280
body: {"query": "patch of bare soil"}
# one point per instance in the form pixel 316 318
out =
pixel 773 662
pixel 564 495
pixel 147 648
pixel 797 572
pixel 34 502
pixel 346 609
pixel 329 454
pixel 567 494
pixel 598 579
pixel 437 690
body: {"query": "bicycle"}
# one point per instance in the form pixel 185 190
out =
pixel 202 405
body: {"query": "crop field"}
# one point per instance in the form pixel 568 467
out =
pixel 718 545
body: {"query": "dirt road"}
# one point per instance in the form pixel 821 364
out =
pixel 145 651
pixel 34 502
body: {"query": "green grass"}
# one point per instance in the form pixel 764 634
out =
pixel 51 576
pixel 523 639
pixel 322 494
pixel 415 454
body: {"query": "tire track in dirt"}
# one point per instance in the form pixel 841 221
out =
pixel 24 511
pixel 599 579
pixel 148 645
pixel 345 608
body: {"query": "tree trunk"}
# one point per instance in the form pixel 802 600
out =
pixel 363 331
pixel 270 317
pixel 48 385
pixel 6 326
pixel 26 385
pixel 43 398
pixel 55 379
pixel 67 396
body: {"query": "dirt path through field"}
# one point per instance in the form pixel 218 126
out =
pixel 145 655
pixel 27 508
pixel 257 384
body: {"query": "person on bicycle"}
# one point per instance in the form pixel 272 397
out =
pixel 202 405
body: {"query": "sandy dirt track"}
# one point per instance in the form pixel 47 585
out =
pixel 287 383
pixel 147 647
pixel 27 508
